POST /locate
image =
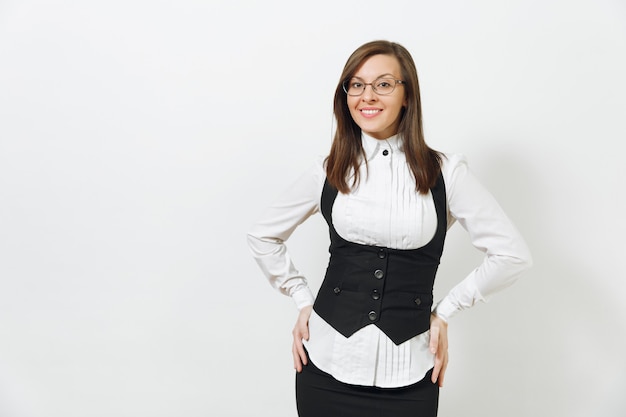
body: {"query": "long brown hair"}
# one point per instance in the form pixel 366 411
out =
pixel 347 152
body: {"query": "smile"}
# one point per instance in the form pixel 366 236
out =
pixel 370 112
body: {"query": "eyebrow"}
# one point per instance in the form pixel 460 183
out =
pixel 380 76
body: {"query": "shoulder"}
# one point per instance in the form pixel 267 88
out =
pixel 452 164
pixel 457 176
pixel 314 168
pixel 312 178
pixel 317 168
pixel 320 163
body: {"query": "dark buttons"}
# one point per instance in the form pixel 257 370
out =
pixel 375 295
pixel 372 315
pixel 385 152
pixel 337 290
pixel 418 301
pixel 379 274
pixel 381 253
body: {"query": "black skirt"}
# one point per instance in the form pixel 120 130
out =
pixel 318 394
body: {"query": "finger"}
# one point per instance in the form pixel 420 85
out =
pixel 302 333
pixel 297 362
pixel 434 339
pixel 298 352
pixel 302 354
pixel 439 370
pixel 442 374
pixel 436 370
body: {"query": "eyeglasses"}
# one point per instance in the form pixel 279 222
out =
pixel 381 86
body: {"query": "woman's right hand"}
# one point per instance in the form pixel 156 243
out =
pixel 300 332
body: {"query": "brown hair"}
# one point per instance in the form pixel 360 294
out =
pixel 347 152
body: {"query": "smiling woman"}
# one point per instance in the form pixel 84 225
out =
pixel 373 342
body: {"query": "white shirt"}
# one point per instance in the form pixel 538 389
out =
pixel 385 210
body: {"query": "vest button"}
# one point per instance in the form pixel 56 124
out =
pixel 379 274
pixel 372 315
pixel 375 295
pixel 337 290
pixel 418 301
pixel 382 254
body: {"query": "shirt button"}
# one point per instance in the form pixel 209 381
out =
pixel 381 253
pixel 375 295
pixel 337 290
pixel 379 274
pixel 372 315
pixel 385 152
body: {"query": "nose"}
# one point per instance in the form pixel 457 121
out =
pixel 368 93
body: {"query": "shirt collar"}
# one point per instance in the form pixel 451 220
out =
pixel 374 147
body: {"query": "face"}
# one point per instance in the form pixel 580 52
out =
pixel 378 115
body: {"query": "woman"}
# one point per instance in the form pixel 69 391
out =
pixel 372 343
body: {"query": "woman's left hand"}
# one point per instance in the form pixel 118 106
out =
pixel 439 347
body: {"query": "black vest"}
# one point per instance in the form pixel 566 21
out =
pixel 391 288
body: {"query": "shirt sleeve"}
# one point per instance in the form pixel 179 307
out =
pixel 490 230
pixel 267 236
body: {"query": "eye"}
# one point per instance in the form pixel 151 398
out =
pixel 383 84
pixel 356 84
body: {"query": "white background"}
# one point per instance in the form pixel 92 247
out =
pixel 139 140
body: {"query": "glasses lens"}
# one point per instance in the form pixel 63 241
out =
pixel 384 85
pixel 354 87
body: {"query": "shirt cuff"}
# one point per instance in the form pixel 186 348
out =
pixel 303 297
pixel 445 309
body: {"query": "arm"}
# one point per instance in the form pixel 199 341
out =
pixel 490 231
pixel 267 236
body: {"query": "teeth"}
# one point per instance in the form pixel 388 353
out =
pixel 369 111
